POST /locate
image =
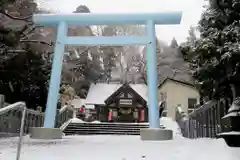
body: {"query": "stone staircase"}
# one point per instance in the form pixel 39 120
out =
pixel 104 128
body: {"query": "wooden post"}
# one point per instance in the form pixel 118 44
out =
pixel 2 100
pixel 39 108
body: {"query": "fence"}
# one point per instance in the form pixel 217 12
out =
pixel 63 115
pixel 10 118
pixel 205 121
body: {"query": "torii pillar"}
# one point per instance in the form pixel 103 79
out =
pixel 62 21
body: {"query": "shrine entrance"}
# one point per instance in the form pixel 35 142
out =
pixel 62 21
pixel 126 105
pixel 125 115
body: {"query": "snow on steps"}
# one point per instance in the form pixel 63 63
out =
pixel 78 126
pixel 104 128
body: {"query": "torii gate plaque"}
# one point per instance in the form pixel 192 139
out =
pixel 62 21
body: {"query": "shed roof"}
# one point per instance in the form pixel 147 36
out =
pixel 78 103
pixel 176 81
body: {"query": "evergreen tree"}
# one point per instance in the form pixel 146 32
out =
pixel 174 43
pixel 23 74
pixel 215 56
pixel 191 35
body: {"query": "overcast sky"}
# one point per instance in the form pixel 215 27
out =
pixel 192 10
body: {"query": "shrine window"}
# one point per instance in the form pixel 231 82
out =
pixel 192 102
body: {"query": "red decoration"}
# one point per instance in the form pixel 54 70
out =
pixel 110 115
pixel 142 115
pixel 81 110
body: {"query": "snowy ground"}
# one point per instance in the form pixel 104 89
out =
pixel 118 148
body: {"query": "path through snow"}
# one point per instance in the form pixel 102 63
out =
pixel 119 148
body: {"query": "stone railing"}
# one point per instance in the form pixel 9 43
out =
pixel 10 118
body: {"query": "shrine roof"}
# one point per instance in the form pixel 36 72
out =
pixel 99 92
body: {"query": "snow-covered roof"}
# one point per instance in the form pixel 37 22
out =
pixel 141 89
pixel 99 92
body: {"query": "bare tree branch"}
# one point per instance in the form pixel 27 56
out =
pixel 27 30
pixel 37 41
pixel 32 29
pixel 26 18
pixel 14 50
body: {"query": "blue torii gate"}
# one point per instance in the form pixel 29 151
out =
pixel 62 21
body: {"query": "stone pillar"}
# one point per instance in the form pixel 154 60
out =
pixel 232 120
pixel 152 76
pixel 48 131
pixel 53 93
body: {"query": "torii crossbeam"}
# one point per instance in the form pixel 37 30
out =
pixel 62 21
